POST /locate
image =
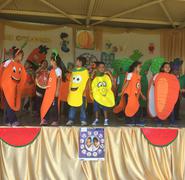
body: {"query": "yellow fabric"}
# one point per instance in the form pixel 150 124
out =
pixel 77 86
pixel 102 91
pixel 128 156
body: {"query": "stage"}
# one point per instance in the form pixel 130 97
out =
pixel 52 153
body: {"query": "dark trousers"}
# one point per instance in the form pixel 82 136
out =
pixel 38 103
pixel 177 109
pixel 9 114
pixel 52 113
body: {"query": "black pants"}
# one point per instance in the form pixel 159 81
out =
pixel 52 114
pixel 9 114
pixel 177 109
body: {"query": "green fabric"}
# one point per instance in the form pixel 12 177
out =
pixel 136 55
pixel 79 69
pixel 146 66
pixel 144 89
pixel 182 82
pixel 156 64
pixel 99 74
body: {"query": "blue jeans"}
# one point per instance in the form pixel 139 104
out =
pixel 72 112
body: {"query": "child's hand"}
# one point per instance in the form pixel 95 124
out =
pixel 120 94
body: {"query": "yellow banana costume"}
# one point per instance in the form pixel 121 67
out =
pixel 102 91
pixel 77 86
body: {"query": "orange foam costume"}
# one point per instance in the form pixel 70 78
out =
pixel 49 95
pixel 64 88
pixel 133 91
pixel 163 95
pixel 12 84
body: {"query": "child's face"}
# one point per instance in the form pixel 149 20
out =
pixel 19 57
pixel 53 63
pixel 101 68
pixel 167 68
pixel 138 68
pixel 88 142
pixel 78 63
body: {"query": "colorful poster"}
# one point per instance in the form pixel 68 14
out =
pixel 92 144
pixel 85 39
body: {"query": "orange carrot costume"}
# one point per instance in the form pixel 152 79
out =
pixel 166 93
pixel 64 88
pixel 12 83
pixel 133 91
pixel 49 94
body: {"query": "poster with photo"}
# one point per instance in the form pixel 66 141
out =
pixel 91 144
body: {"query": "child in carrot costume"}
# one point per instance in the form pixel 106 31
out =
pixel 49 107
pixel 12 83
pixel 130 94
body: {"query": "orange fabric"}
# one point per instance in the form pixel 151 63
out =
pixel 49 93
pixel 64 88
pixel 133 90
pixel 166 94
pixel 88 93
pixel 29 88
pixel 121 106
pixel 13 79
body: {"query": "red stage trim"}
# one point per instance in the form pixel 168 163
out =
pixel 19 137
pixel 160 136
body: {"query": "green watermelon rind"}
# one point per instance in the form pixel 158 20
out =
pixel 15 146
pixel 159 145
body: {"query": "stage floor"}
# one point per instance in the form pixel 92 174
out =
pixel 27 119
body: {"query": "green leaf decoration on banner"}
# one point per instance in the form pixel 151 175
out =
pixel 136 55
pixel 156 64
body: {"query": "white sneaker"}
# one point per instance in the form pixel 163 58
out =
pixel 8 124
pixel 44 122
pixel 95 122
pixel 69 123
pixel 54 123
pixel 83 123
pixel 16 123
pixel 106 122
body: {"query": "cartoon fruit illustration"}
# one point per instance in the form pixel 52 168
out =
pixel 85 40
pixel 159 136
pixel 38 55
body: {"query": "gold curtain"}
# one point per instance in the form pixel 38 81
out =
pixel 128 156
pixel 173 44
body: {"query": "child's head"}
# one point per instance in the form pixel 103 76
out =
pixel 80 61
pixel 88 141
pixel 166 67
pixel 18 54
pixel 96 142
pixel 56 61
pixel 100 67
pixel 135 67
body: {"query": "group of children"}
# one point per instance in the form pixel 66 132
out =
pixel 73 89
